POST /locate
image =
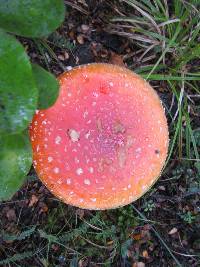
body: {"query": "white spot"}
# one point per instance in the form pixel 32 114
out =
pixel 37 148
pixel 93 199
pixel 67 166
pixel 85 114
pixel 144 187
pixel 94 103
pixel 35 123
pixel 50 159
pixel 88 122
pixel 59 181
pixel 58 140
pixel 95 94
pixel 113 188
pixel 74 135
pixel 91 169
pixel 81 200
pixel 56 170
pixel 37 111
pixel 111 84
pixel 76 160
pixel 87 181
pixel 87 134
pixel 68 181
pixel 69 94
pixel 138 150
pixel 129 186
pixel 125 188
pixel 79 171
pixel 69 68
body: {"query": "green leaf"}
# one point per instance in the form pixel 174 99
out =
pixel 15 162
pixel 30 18
pixel 21 236
pixel 48 86
pixel 18 93
pixel 197 166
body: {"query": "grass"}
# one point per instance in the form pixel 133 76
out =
pixel 174 42
pixel 165 42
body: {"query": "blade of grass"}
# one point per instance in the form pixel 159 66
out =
pixel 178 29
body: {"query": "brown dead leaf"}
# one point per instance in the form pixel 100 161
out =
pixel 44 208
pixel 80 213
pixel 117 59
pixel 33 201
pixel 80 39
pixel 11 215
pixel 145 254
pixel 61 57
pixel 162 188
pixel 66 55
pixel 85 28
pixel 136 236
pixel 138 264
pixel 173 231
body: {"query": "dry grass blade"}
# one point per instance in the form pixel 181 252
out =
pixel 77 7
pixel 143 13
pixel 137 37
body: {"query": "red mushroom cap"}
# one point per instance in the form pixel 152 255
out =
pixel 104 142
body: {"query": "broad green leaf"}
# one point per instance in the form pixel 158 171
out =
pixel 48 87
pixel 31 18
pixel 18 93
pixel 15 162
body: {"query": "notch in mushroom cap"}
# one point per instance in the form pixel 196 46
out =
pixel 104 142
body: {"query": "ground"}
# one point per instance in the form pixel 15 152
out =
pixel 160 41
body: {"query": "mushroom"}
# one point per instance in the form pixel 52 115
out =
pixel 104 142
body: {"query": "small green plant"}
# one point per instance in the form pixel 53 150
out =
pixel 24 87
pixel 149 206
pixel 188 217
